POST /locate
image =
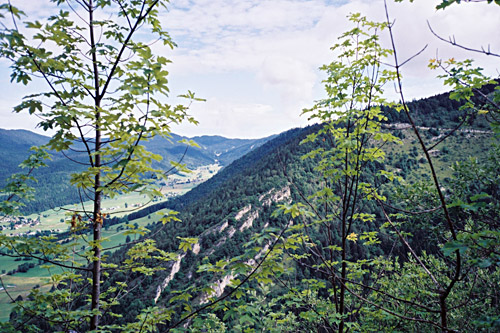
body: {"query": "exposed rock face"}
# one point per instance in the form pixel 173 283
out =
pixel 275 196
pixel 248 214
pixel 221 284
pixel 242 212
pixel 196 248
pixel 175 268
pixel 230 233
pixel 249 221
pixel 223 226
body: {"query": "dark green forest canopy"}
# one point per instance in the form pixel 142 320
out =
pixel 382 217
pixel 53 189
pixel 276 165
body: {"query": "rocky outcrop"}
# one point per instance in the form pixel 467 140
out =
pixel 223 226
pixel 242 212
pixel 175 268
pixel 274 195
pixel 196 248
pixel 220 285
pixel 248 215
pixel 249 221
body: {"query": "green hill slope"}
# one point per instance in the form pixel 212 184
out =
pixel 225 212
pixel 233 211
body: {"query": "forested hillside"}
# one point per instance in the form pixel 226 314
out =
pixel 432 110
pixel 442 112
pixel 14 147
pixel 234 210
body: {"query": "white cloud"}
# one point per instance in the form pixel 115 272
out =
pixel 276 46
pixel 235 120
pixel 292 77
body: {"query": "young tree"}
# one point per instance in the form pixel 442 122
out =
pixel 438 290
pixel 450 289
pixel 105 95
pixel 349 161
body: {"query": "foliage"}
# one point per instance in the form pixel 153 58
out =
pixel 446 3
pixel 421 291
pixel 350 167
pixel 105 97
pixel 16 190
pixel 362 208
pixel 360 243
pixel 53 188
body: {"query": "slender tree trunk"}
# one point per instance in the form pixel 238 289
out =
pixel 345 208
pixel 96 264
pixel 343 271
pixel 342 286
pixel 97 217
pixel 97 225
pixel 442 305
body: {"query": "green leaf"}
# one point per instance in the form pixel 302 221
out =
pixel 451 247
pixel 187 243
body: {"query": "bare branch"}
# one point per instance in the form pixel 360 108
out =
pixel 452 41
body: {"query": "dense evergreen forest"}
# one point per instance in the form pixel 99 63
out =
pixel 251 187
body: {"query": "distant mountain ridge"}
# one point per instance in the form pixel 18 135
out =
pixel 437 112
pixel 243 167
pixel 213 149
pixel 53 187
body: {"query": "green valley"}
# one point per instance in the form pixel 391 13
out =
pixel 55 221
pixel 225 208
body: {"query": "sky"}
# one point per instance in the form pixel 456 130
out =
pixel 256 62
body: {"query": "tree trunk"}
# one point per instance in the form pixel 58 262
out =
pixel 97 225
pixel 97 217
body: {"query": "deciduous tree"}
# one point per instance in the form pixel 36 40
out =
pixel 106 93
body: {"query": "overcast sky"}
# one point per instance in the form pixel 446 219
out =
pixel 256 61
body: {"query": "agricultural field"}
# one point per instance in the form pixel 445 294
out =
pixel 21 283
pixel 55 220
